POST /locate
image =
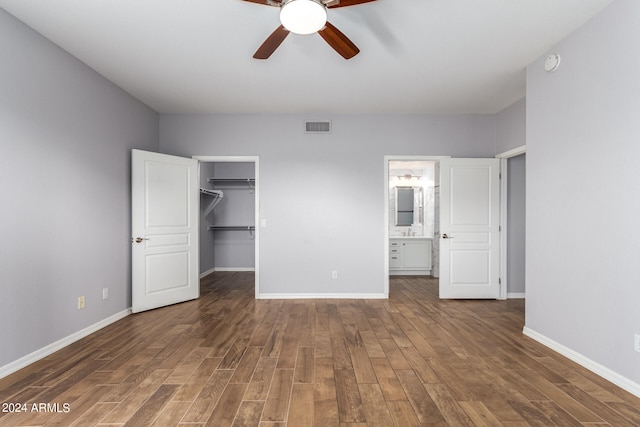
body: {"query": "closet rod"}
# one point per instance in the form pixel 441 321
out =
pixel 231 227
pixel 217 196
pixel 249 228
pixel 208 192
pixel 231 179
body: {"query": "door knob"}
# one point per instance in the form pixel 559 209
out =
pixel 445 236
pixel 138 239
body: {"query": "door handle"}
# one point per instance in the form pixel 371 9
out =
pixel 445 236
pixel 138 239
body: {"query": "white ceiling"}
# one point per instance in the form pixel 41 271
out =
pixel 417 56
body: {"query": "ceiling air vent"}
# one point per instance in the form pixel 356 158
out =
pixel 317 127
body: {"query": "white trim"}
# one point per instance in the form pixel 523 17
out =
pixel 410 272
pixel 504 183
pixel 606 373
pixel 27 360
pixel 516 295
pixel 324 296
pixel 234 269
pixel 206 273
pixel 387 159
pixel 504 224
pixel 230 159
pixel 256 161
pixel 512 153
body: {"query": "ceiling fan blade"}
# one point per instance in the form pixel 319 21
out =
pixel 338 41
pixel 271 43
pixel 343 3
pixel 266 2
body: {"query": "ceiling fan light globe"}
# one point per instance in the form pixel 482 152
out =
pixel 303 16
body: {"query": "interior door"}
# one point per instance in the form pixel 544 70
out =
pixel 165 214
pixel 469 228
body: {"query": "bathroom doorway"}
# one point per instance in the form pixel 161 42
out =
pixel 453 226
pixel 411 216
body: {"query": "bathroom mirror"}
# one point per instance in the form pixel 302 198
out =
pixel 404 206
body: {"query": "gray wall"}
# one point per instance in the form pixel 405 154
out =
pixel 511 129
pixel 235 250
pixel 583 200
pixel 207 248
pixel 65 140
pixel 511 132
pixel 516 225
pixel 323 195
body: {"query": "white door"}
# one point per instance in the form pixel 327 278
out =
pixel 469 228
pixel 165 214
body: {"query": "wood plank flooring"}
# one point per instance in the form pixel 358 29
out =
pixel 229 360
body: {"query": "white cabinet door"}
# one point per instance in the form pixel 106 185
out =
pixel 165 214
pixel 469 221
pixel 416 254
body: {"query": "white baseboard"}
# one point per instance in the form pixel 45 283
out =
pixel 409 272
pixel 606 373
pixel 515 295
pixel 53 347
pixel 208 272
pixel 213 270
pixel 321 296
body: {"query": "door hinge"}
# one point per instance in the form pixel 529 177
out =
pixel 499 281
pixel 500 175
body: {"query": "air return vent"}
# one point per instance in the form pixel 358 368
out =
pixel 317 127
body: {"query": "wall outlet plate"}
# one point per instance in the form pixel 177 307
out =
pixel 81 302
pixel 636 342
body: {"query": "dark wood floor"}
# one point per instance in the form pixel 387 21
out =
pixel 227 359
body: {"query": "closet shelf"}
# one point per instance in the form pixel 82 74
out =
pixel 216 195
pixel 249 228
pixel 249 181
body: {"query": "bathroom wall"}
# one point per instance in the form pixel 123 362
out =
pixel 413 174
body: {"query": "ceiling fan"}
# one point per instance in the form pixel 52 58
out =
pixel 307 17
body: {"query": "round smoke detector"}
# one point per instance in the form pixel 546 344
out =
pixel 552 63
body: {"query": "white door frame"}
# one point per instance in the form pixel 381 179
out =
pixel 255 160
pixel 504 157
pixel 387 160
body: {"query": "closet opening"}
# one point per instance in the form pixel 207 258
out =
pixel 229 201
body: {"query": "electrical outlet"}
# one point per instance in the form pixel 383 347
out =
pixel 105 293
pixel 636 342
pixel 81 302
pixel 334 274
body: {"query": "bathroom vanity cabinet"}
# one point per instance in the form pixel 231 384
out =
pixel 410 255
